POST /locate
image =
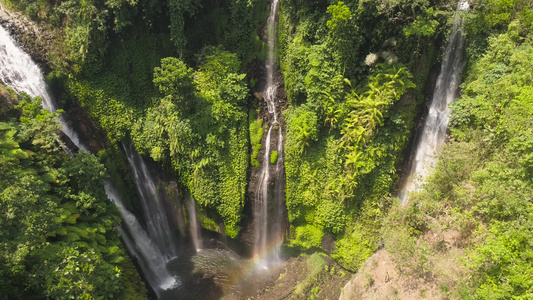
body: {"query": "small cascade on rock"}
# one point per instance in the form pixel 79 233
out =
pixel 150 258
pixel 153 209
pixel 433 133
pixel 269 204
pixel 19 71
pixel 194 226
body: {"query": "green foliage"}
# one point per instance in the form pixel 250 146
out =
pixel 232 24
pixel 207 222
pixel 256 134
pixel 219 83
pixel 162 133
pixel 112 115
pixel 315 264
pixel 355 247
pixel 307 236
pixel 134 287
pixel 424 25
pixel 340 13
pixel 75 276
pixel 174 79
pixel 503 186
pixel 346 128
pixel 195 125
pixel 323 182
pixel 313 186
pixel 84 22
pixel 198 130
pixel 360 239
pixel 274 157
pixel 233 231
pixel 89 24
pixel 343 35
pixel 178 10
pixel 8 98
pixel 347 122
pixel 37 124
pixel 504 261
pixel 317 277
pixel 497 14
pixel 302 122
pixel 482 185
pixel 58 227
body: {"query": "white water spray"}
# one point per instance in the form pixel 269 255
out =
pixel 433 132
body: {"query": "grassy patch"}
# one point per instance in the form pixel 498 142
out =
pixel 274 157
pixel 256 134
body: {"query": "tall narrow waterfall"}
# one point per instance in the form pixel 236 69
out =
pixel 269 203
pixel 194 226
pixel 153 209
pixel 433 132
pixel 18 71
pixel 150 258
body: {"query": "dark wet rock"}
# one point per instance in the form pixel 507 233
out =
pixel 28 35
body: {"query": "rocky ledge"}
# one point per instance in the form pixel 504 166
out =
pixel 28 36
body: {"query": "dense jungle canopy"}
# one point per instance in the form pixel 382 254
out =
pixel 181 79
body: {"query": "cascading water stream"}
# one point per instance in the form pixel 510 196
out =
pixel 268 229
pixel 433 132
pixel 194 223
pixel 153 209
pixel 139 244
pixel 153 243
pixel 18 71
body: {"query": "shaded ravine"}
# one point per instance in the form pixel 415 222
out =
pixel 269 197
pixel 433 133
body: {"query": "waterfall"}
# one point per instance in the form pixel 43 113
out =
pixel 139 244
pixel 433 132
pixel 261 202
pixel 153 209
pixel 268 218
pixel 194 223
pixel 18 71
pixel 155 246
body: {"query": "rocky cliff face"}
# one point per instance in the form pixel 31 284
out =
pixel 31 38
pixel 8 99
